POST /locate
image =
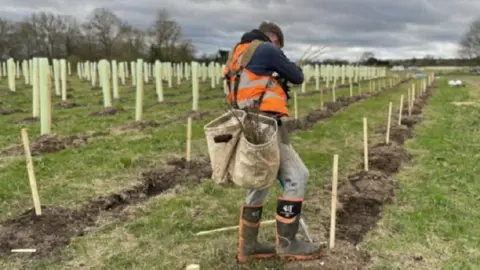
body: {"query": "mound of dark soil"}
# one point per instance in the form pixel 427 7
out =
pixel 416 110
pixel 386 158
pixel 410 121
pixel 67 105
pixel 140 125
pixel 400 134
pixel 361 201
pixel 25 120
pixel 48 144
pixel 6 111
pixel 47 233
pixel 106 112
pixel 154 182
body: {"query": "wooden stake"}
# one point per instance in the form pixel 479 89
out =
pixel 193 267
pixel 400 111
pixel 389 121
pixel 295 104
pixel 334 201
pixel 189 137
pixel 31 173
pixel 24 250
pixel 365 144
pixel 321 98
pixel 334 96
pixel 409 102
pixel 231 228
pixel 413 95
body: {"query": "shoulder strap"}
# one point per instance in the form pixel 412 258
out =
pixel 230 56
pixel 247 55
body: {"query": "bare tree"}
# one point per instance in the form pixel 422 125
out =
pixel 365 56
pixel 134 44
pixel 49 29
pixel 470 42
pixel 72 35
pixel 108 29
pixel 7 31
pixel 166 35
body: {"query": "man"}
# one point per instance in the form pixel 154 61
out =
pixel 250 83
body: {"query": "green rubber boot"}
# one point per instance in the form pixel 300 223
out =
pixel 288 247
pixel 248 245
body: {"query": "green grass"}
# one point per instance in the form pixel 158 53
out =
pixel 159 233
pixel 436 215
pixel 108 163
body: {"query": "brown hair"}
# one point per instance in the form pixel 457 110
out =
pixel 270 27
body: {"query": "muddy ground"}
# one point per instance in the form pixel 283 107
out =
pixel 107 112
pixel 67 105
pixel 8 111
pixel 361 203
pixel 52 231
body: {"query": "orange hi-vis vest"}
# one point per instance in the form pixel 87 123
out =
pixel 246 89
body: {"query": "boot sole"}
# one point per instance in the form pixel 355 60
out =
pixel 244 259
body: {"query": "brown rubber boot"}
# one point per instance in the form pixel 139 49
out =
pixel 248 245
pixel 288 247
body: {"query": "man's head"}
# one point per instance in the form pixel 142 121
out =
pixel 273 31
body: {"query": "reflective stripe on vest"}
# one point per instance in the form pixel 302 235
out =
pixel 245 82
pixel 252 101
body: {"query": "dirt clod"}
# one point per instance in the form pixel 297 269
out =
pixel 400 134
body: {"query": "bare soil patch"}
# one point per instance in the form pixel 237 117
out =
pixel 106 112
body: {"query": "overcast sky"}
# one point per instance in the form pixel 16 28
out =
pixel 399 29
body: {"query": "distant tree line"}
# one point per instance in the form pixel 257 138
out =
pixel 102 35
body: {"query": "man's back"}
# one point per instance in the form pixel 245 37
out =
pixel 268 59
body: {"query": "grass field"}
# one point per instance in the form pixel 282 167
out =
pixel 431 208
pixel 434 223
pixel 110 162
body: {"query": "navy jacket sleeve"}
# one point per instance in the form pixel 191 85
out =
pixel 279 63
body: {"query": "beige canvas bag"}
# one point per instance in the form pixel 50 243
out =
pixel 255 166
pixel 221 153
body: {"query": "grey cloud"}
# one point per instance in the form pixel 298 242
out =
pixel 389 28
